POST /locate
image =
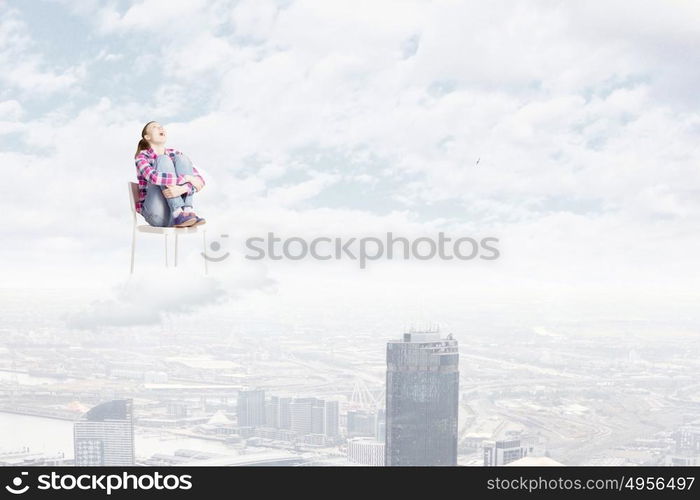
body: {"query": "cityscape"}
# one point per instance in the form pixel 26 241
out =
pixel 424 396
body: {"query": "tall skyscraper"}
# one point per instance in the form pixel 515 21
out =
pixel 251 408
pixel 105 435
pixel 422 400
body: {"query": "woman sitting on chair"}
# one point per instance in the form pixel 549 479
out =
pixel 167 181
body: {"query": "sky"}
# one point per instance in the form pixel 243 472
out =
pixel 346 119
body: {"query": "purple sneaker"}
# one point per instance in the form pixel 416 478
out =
pixel 184 220
pixel 199 221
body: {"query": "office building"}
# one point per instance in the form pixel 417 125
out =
pixel 365 451
pixel 272 412
pixel 285 413
pixel 687 439
pixel 318 417
pixel 422 400
pixel 361 423
pixel 251 408
pixel 332 419
pixel 301 415
pixel 105 435
pixel 503 452
pixel 380 425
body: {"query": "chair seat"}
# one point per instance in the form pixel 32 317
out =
pixel 145 228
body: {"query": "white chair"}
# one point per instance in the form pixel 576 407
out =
pixel 165 231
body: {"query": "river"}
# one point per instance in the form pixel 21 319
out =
pixel 49 436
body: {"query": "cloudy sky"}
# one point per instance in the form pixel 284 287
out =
pixel 353 119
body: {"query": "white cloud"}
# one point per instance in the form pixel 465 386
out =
pixel 23 68
pixel 254 19
pixel 154 15
pixel 293 194
pixel 11 110
pixel 147 298
pixel 151 295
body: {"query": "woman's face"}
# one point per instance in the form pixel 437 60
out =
pixel 155 134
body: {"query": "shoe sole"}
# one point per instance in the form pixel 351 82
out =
pixel 188 223
pixel 200 222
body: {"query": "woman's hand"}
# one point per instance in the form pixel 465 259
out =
pixel 196 182
pixel 174 191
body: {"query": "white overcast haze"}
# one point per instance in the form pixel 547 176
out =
pixel 354 118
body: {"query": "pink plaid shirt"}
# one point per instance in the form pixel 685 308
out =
pixel 146 174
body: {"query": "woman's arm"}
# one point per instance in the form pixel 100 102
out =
pixel 153 176
pixel 196 180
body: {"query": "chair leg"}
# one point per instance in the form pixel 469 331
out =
pixel 176 248
pixel 166 249
pixel 204 256
pixel 133 248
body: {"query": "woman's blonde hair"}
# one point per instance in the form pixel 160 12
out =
pixel 143 143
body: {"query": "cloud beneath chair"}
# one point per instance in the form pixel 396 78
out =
pixel 148 298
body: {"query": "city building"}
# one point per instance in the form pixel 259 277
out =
pixel 535 461
pixel 301 415
pixel 306 416
pixel 687 447
pixel 273 434
pixel 503 452
pixel 681 461
pixel 251 408
pixel 272 412
pixel 317 440
pixel 332 419
pixel 422 400
pixel 380 425
pixel 177 409
pixel 105 435
pixel 285 413
pixel 365 451
pixel 318 414
pixel 687 440
pixel 360 423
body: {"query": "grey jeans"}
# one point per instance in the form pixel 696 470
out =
pixel 157 209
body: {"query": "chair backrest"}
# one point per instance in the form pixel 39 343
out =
pixel 133 195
